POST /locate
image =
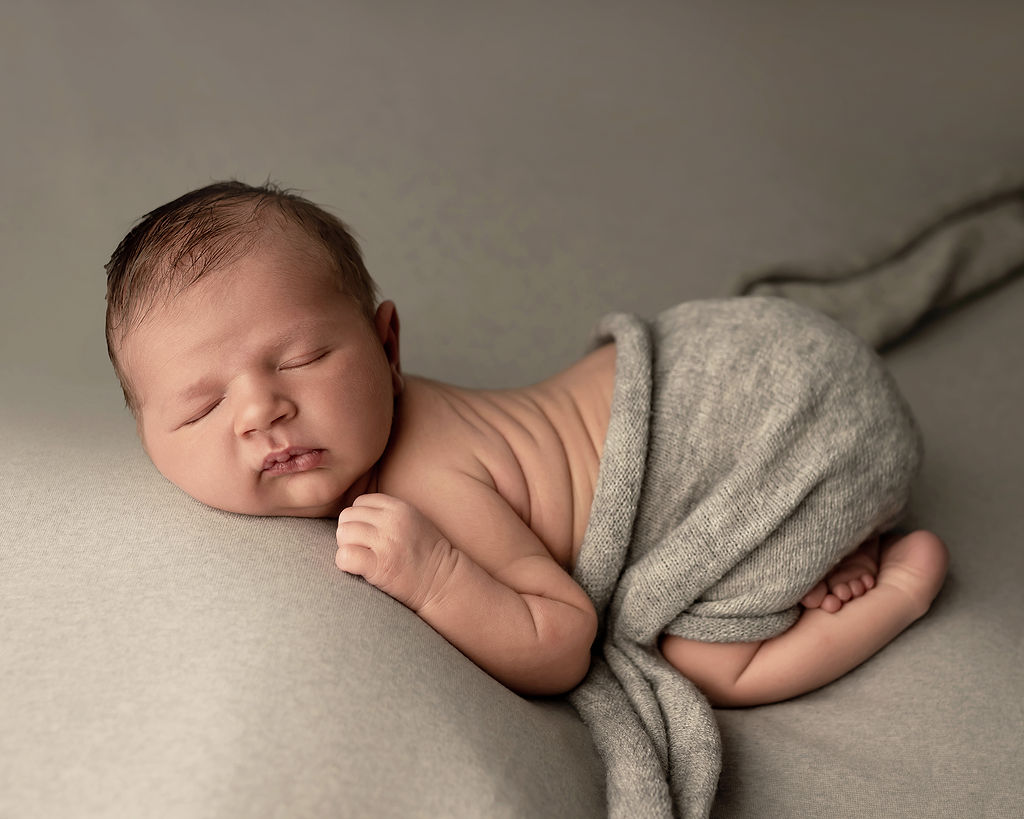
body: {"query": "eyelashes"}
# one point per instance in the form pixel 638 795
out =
pixel 203 413
pixel 304 361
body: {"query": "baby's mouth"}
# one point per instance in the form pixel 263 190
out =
pixel 293 459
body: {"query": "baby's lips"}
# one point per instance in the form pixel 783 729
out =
pixel 282 455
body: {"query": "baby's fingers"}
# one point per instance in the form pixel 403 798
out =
pixel 375 515
pixel 355 555
pixel 375 500
pixel 355 559
pixel 357 533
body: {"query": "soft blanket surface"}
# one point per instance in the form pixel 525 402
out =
pixel 753 443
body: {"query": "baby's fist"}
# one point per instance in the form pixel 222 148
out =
pixel 395 547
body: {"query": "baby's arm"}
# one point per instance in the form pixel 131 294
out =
pixel 510 607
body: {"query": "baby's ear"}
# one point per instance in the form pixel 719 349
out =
pixel 388 328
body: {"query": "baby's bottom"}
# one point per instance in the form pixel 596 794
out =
pixel 865 602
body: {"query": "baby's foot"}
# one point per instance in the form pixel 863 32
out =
pixel 916 565
pixel 850 579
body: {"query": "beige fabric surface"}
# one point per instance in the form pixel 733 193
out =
pixel 165 659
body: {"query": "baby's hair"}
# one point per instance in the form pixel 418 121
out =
pixel 174 246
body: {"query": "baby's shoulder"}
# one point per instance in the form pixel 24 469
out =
pixel 433 437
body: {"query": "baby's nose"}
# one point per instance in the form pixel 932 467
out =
pixel 260 409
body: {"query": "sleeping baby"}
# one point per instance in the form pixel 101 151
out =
pixel 265 378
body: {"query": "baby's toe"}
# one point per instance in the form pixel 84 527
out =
pixel 815 596
pixel 842 591
pixel 831 604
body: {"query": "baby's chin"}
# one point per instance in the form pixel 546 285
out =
pixel 322 512
pixel 328 509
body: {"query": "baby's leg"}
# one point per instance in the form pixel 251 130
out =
pixel 822 645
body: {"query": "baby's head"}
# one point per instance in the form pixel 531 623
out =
pixel 177 244
pixel 244 330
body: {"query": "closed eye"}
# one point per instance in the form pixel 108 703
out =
pixel 203 413
pixel 304 361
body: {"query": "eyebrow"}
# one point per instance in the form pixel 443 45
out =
pixel 203 386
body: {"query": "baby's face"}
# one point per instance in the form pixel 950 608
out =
pixel 263 389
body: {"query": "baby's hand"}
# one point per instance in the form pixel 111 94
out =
pixel 395 547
